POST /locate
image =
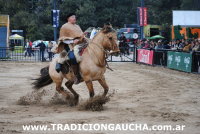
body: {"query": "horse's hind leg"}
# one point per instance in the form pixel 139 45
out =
pixel 61 90
pixel 90 88
pixel 103 83
pixel 69 84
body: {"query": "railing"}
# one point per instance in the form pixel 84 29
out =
pixel 25 55
pixel 127 54
pixel 173 59
pixel 188 62
pixel 196 62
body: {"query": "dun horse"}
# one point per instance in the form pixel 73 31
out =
pixel 92 66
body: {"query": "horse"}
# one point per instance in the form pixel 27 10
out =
pixel 92 65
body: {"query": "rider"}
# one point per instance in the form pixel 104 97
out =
pixel 70 36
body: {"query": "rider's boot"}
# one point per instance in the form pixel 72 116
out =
pixel 62 59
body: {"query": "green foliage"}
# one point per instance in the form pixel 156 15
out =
pixel 34 16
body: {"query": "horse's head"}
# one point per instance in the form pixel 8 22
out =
pixel 110 42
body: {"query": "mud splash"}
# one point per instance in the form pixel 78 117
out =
pixel 34 97
pixel 96 103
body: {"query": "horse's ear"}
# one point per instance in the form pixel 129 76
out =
pixel 107 28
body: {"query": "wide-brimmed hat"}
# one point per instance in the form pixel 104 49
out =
pixel 70 14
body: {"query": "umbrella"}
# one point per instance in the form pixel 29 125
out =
pixel 157 37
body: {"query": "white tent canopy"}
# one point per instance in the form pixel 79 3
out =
pixel 16 37
pixel 16 40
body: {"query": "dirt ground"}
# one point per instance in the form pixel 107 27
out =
pixel 141 94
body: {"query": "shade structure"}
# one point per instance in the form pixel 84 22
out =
pixel 16 37
pixel 157 37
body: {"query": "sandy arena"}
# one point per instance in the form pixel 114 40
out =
pixel 140 94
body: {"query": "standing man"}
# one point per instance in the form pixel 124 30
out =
pixel 70 36
pixel 28 49
pixel 42 49
pixel 122 39
pixel 122 43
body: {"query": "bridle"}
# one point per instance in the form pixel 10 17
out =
pixel 107 52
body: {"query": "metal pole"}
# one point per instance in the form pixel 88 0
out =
pixel 142 27
pixel 55 28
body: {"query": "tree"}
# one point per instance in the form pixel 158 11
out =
pixel 34 16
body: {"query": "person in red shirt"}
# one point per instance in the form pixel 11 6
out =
pixel 31 48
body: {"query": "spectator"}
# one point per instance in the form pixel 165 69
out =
pixel 166 45
pixel 42 50
pixel 196 47
pixel 141 44
pixel 146 45
pixel 123 45
pixel 170 44
pixel 182 44
pixel 196 59
pixel 159 45
pixel 31 48
pixel 27 48
pixel 176 45
pixel 138 43
pixel 122 38
pixel 50 46
pixel 188 46
pixel 152 44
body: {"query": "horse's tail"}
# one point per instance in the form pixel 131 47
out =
pixel 43 80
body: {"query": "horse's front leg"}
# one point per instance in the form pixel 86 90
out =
pixel 90 88
pixel 103 83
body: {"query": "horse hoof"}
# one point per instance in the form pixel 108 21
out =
pixel 76 100
pixel 73 101
pixel 68 97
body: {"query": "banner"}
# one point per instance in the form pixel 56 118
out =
pixel 145 56
pixel 179 61
pixel 143 16
pixel 55 17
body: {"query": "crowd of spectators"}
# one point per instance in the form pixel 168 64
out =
pixel 189 45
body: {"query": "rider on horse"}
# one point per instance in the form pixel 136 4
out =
pixel 71 37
